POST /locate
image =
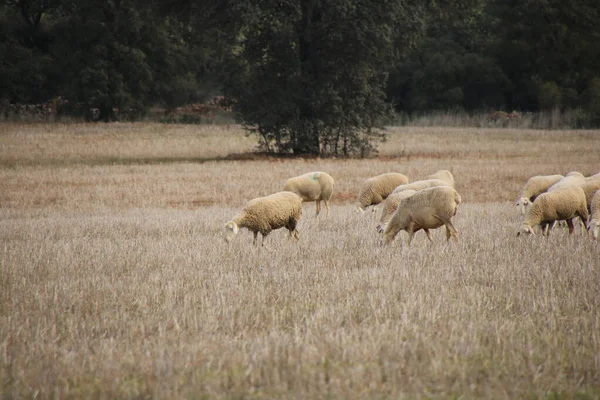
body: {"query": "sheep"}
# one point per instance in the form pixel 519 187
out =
pixel 594 218
pixel 590 188
pixel 378 188
pixel 264 214
pixel 390 206
pixel 314 186
pixel 427 209
pixel 593 178
pixel 559 205
pixel 535 186
pixel 571 179
pixel 391 203
pixel 443 175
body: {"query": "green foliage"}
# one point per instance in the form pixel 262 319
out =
pixel 307 77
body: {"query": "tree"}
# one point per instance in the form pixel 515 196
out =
pixel 309 77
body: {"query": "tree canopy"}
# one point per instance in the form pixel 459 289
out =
pixel 308 76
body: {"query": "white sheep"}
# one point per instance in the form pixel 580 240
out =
pixel 378 188
pixel 313 186
pixel 559 205
pixel 391 203
pixel 571 179
pixel 443 175
pixel 593 178
pixel 590 188
pixel 535 186
pixel 426 209
pixel 390 206
pixel 594 219
pixel 264 214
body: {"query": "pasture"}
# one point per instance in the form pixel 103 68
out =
pixel 115 280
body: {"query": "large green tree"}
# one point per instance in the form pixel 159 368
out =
pixel 309 76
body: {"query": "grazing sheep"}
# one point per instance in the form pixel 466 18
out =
pixel 443 175
pixel 378 188
pixel 593 178
pixel 427 209
pixel 314 186
pixel 594 224
pixel 264 214
pixel 391 203
pixel 535 186
pixel 559 205
pixel 390 206
pixel 590 188
pixel 571 179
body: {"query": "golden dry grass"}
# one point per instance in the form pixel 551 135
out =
pixel 116 281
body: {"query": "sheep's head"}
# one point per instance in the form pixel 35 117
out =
pixel 594 227
pixel 231 229
pixel 381 228
pixel 522 203
pixel 525 230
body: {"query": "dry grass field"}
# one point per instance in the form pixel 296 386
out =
pixel 115 280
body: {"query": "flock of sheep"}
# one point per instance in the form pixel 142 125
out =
pixel 547 199
pixel 423 205
pixel 426 204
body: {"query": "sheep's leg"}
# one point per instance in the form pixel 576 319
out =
pixel 293 233
pixel 549 227
pixel 429 235
pixel 255 236
pixel 318 207
pixel 450 230
pixel 264 236
pixel 327 206
pixel 571 226
pixel 584 218
pixel 411 232
pixel 391 234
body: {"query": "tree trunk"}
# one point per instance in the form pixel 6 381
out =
pixel 307 136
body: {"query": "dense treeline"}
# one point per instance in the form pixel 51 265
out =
pixel 308 76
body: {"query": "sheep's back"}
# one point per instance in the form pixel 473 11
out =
pixel 443 199
pixel 443 175
pixel 385 184
pixel 420 185
pixel 537 185
pixel 571 179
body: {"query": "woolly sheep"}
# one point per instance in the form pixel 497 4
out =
pixel 593 178
pixel 313 186
pixel 427 209
pixel 378 188
pixel 390 206
pixel 594 219
pixel 559 205
pixel 590 188
pixel 264 214
pixel 571 179
pixel 443 175
pixel 391 203
pixel 535 186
